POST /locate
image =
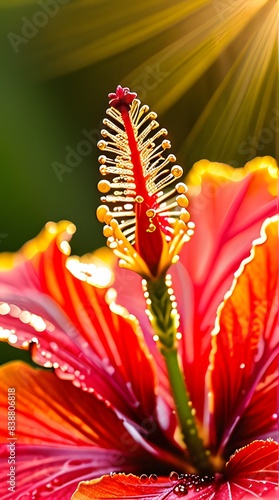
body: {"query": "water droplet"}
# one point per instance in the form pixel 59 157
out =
pixel 173 476
pixel 242 366
pixel 143 478
pixel 112 474
pixel 189 482
pixel 153 478
pixel 54 346
pixel 180 490
pixel 77 383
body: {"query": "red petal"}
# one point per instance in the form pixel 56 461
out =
pixel 51 471
pixel 228 214
pixel 251 473
pixel 228 207
pixel 63 435
pixel 82 338
pixel 244 360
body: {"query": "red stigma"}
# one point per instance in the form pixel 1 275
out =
pixel 121 97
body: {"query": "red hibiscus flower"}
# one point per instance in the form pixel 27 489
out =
pixel 110 404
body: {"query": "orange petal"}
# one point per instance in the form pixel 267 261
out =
pixel 118 486
pixel 53 412
pixel 147 488
pixel 243 375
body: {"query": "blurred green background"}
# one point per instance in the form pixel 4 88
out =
pixel 210 70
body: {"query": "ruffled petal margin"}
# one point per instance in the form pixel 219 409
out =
pixel 244 370
pixel 251 473
pixel 228 206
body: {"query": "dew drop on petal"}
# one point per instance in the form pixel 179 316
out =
pixel 153 478
pixel 143 478
pixel 4 308
pixel 173 476
pixel 13 339
pixel 15 311
pixel 54 346
pixel 76 383
pixel 180 490
pixel 56 481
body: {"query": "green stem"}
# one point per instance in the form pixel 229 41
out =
pixel 198 454
pixel 164 319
